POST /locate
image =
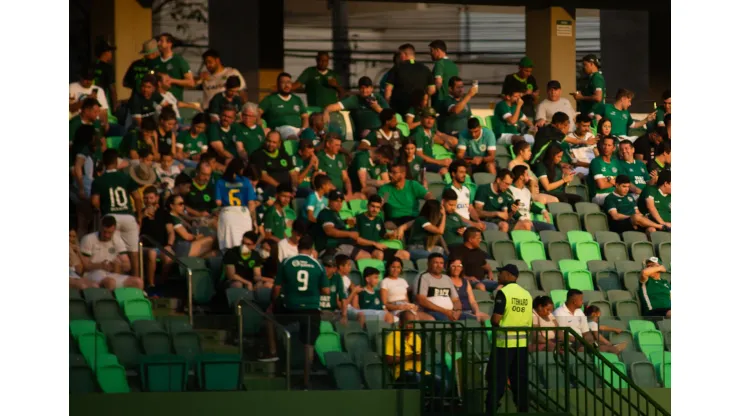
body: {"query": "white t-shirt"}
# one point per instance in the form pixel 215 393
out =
pixel 77 93
pixel 583 153
pixel 576 320
pixel 546 109
pixel 286 249
pixel 463 201
pixel 217 83
pixel 347 283
pixel 540 322
pixel 525 200
pixel 168 98
pixel 397 288
pixel 167 176
pixel 100 251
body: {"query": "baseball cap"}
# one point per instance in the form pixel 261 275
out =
pixel 652 260
pixel 509 268
pixel 328 261
pixel 365 82
pixel 526 62
pixel 334 195
pixel 428 112
pixel 102 47
pixel 148 47
pixel 553 85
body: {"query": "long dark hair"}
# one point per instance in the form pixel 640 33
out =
pixel 432 211
pixel 549 161
pixel 233 169
pixel 403 156
pixel 417 99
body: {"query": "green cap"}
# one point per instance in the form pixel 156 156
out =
pixel 526 63
pixel 428 112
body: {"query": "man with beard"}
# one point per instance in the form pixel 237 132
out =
pixel 214 79
pixel 284 111
pixel 454 109
pixel 320 83
pixel 363 108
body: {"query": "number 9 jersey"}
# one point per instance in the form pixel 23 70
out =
pixel 235 194
pixel 301 279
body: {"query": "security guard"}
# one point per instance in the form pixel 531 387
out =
pixel 513 308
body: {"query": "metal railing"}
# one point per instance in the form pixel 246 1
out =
pixel 172 257
pixel 270 321
pixel 456 368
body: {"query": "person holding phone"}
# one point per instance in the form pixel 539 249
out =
pixel 454 110
pixel 620 116
pixel 83 89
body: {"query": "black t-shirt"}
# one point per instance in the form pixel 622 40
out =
pixel 528 106
pixel 164 142
pixel 473 260
pixel 653 166
pixel 646 148
pixel 201 199
pixel 104 77
pixel 407 77
pixel 278 167
pixel 244 267
pixel 156 227
pixel 499 303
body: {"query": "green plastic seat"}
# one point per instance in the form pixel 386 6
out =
pixel 521 236
pixel 347 377
pixel 664 375
pixel 643 374
pixel 520 264
pixel 113 142
pixel 495 235
pixel 93 294
pixel 79 327
pixel 325 327
pixel 138 309
pixel 81 377
pixel 551 280
pixel 503 251
pixel 421 265
pixel 365 263
pixel 142 327
pixel 588 251
pixel 567 266
pixel 625 337
pixel 186 344
pixel 595 266
pixel 664 325
pixel 604 307
pixel 394 244
pixel 175 324
pixel 163 373
pixel 532 250
pixel 123 294
pixel 526 280
pixel 631 281
pixel 219 372
pixel 548 236
pixel 125 346
pixel 358 206
pixel 664 252
pixel 327 342
pixel 637 325
pixel 78 310
pixel 624 266
pixel 114 327
pixel 434 177
pixel 558 297
pixel 650 341
pixel 583 208
pixel 579 279
pixel 92 346
pixel 630 357
pixel 335 358
pixel 559 250
pixel 111 375
pixel 373 374
pixel 483 178
pixel 439 152
pixel 606 237
pixel 567 221
pixel 357 344
pixel 641 250
pixel 291 147
pixel 539 266
pixel 403 128
pixel 627 309
pixel 610 377
pixel 575 237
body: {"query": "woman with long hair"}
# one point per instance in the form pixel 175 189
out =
pixel 394 291
pixel 425 235
pixel 237 198
pixel 419 100
pixel 187 244
pixel 542 317
pixel 552 177
pixel 413 162
pixel 470 308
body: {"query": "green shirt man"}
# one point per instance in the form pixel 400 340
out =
pixel 363 161
pixel 444 68
pixel 624 205
pixel 402 202
pixel 424 140
pixel 449 123
pixel 493 201
pixel 599 168
pixel 500 113
pixel 136 71
pixel 361 113
pixel 658 293
pixel 219 101
pixel 301 279
pixel 621 119
pixel 192 145
pixel 316 83
pixel 274 222
pixel 370 229
pixel 300 164
pixel 229 137
pixel 279 111
pixel 415 169
pixel 333 167
pixel 329 302
pixel 637 171
pixel 114 188
pixel 323 241
pixel 662 203
pixel 201 197
pixel 453 223
pixel 176 67
pixel 595 83
pixel 251 137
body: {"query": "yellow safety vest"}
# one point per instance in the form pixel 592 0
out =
pixel 518 313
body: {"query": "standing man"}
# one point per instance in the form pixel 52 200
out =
pixel 554 103
pixel 407 77
pixel 104 72
pixel 142 67
pixel 595 90
pixel 364 108
pixel 444 69
pixel 320 83
pixel 454 110
pixel 296 295
pixel 111 194
pixel 174 66
pixel 284 111
pixel 274 221
pixel 508 360
pixel 214 78
pixel 655 293
pixel 523 80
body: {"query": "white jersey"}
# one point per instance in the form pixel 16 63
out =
pixel 525 201
pixel 216 83
pixel 463 201
pixel 100 251
pixel 286 250
pixel 77 92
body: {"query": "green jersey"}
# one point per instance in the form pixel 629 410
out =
pixel 336 284
pixel 177 222
pixel 136 72
pixel 279 111
pixel 75 123
pixel 369 299
pixel 595 83
pixel 424 140
pixel 493 201
pixel 229 137
pixel 370 229
pixel 449 122
pixel 477 147
pixel 444 68
pixel 662 203
pixel 333 166
pixel 501 112
pixel 274 222
pixel 300 164
pixel 655 294
pixel 417 233
pixel 402 202
pixel 621 119
pixel 453 223
pixel 176 67
pixel 318 91
pixel 133 141
pixel 141 107
pixel 323 241
pixel 378 137
pixel 624 205
pixel 415 169
pixel 192 145
pixel 540 171
pixel 361 113
pixel 599 168
pixel 637 171
pixel 310 134
pixel 251 137
pixel 301 279
pixel 219 101
pixel 114 188
pixel 364 162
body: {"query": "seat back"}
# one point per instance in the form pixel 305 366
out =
pixel 641 250
pixel 607 280
pixel 526 280
pixel 112 377
pixel 327 342
pixel 556 208
pixel 503 251
pixel 567 266
pixel 643 374
pixel 548 236
pixel 532 250
pixel 618 295
pixel 163 373
pixel 584 208
pixel 587 251
pixel 520 236
pixel 558 297
pixel 219 372
pixel 615 251
pixel 79 327
pixel 559 250
pixel 495 235
pixel 552 280
pixel 595 222
pixel 606 237
pixel 627 309
pixel 604 307
pixel 123 294
pixel 137 309
pixel 580 279
pixel 568 221
pixel 630 237
pixel 81 377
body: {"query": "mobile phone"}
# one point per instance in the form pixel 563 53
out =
pixel 475 83
pixel 517 202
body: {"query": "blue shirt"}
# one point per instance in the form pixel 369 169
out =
pixel 479 147
pixel 235 194
pixel 315 203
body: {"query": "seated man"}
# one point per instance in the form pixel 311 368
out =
pixel 618 113
pixel 454 109
pixel 622 211
pixel 455 224
pixel 243 266
pixel 222 136
pixel 494 204
pixel 581 143
pixel 370 227
pixel 315 131
pixel 251 134
pixel 230 96
pixel 603 170
pixel 386 134
pixel 475 268
pixel 89 115
pixel 571 315
pixel 145 137
pixel 334 305
pixel 519 190
pixel 333 232
pixel 369 170
pixel 274 163
pixel 426 136
pixel 655 293
pixel 662 160
pixel 655 201
pixel 634 169
pixel 554 103
pixel 435 292
pixel 401 197
pixel 507 114
pixel 366 299
pixel 104 258
pixel 283 111
pixel 477 147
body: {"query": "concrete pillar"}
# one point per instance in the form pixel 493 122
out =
pixel 127 25
pixel 272 44
pixel 340 40
pixel 551 44
pixel 660 52
pixel 624 55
